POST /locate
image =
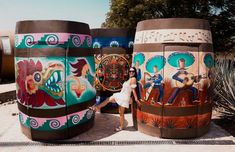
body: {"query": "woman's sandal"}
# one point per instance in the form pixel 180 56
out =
pixel 94 108
pixel 118 129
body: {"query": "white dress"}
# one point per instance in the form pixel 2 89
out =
pixel 123 98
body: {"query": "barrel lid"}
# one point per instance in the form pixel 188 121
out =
pixel 173 23
pixel 52 26
pixel 112 32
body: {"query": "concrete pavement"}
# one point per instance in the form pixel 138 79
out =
pixel 104 138
pixel 11 138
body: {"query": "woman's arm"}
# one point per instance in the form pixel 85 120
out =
pixel 133 86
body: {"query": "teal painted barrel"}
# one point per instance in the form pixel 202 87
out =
pixel 175 60
pixel 113 56
pixel 55 72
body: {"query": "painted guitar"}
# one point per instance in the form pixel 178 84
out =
pixel 189 80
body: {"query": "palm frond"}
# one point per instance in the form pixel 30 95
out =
pixel 224 88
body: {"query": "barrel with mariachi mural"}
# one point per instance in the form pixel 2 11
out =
pixel 175 60
pixel 113 56
pixel 55 72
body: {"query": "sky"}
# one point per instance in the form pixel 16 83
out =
pixel 92 12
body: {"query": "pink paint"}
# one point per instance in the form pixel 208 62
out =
pixel 24 117
pixel 80 113
pixel 63 37
pixel 62 119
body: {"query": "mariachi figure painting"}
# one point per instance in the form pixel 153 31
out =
pixel 181 76
pixel 150 82
pixel 176 77
pixel 173 80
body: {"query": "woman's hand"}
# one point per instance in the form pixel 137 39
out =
pixel 138 103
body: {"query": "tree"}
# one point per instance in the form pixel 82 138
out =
pixel 220 14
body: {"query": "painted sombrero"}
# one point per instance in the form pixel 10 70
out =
pixel 176 56
pixel 158 61
pixel 139 57
pixel 209 60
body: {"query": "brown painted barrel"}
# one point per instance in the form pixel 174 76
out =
pixel 7 55
pixel 55 73
pixel 114 48
pixel 175 60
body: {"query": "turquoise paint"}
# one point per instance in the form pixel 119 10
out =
pixel 174 58
pixel 139 57
pixel 90 91
pixel 42 43
pixel 158 61
pixel 209 61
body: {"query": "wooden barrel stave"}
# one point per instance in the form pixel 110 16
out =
pixel 46 58
pixel 164 40
pixel 105 52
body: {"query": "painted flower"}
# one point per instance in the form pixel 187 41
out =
pixel 31 87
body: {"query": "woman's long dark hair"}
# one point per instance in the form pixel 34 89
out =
pixel 134 71
pixel 134 112
pixel 137 84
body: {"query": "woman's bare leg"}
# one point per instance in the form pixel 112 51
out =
pixel 121 112
pixel 105 102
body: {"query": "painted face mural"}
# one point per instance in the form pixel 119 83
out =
pixel 38 86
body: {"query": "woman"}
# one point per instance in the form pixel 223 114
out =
pixel 123 98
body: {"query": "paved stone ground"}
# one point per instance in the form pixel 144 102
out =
pixel 12 140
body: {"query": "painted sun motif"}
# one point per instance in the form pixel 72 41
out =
pixel 114 44
pixel 96 45
pixel 112 71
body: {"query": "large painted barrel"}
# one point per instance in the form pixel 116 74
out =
pixel 113 56
pixel 55 72
pixel 7 55
pixel 175 59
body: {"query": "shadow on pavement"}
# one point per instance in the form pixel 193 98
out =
pixel 105 125
pixel 215 132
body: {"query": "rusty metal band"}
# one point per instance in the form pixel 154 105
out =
pixel 173 23
pixel 112 50
pixel 173 133
pixel 50 113
pixel 57 134
pixel 45 52
pixel 42 26
pixel 158 47
pixel 118 32
pixel 177 111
